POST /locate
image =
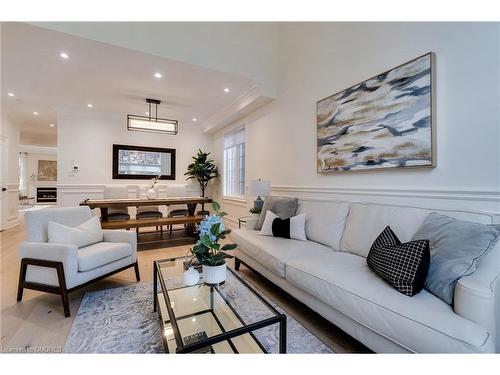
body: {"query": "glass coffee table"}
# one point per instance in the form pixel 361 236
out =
pixel 229 318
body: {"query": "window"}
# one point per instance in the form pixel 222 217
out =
pixel 234 164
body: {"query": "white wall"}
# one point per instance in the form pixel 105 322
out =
pixel 317 60
pixel 88 142
pixel 9 133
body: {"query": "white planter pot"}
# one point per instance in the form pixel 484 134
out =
pixel 213 275
pixel 151 194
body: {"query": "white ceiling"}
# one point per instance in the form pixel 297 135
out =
pixel 113 79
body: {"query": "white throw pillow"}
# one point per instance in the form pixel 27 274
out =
pixel 267 226
pixel 82 235
pixel 297 226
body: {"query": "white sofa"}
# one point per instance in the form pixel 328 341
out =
pixel 61 268
pixel 329 274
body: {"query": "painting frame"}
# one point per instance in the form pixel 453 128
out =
pixel 115 163
pixel 432 121
pixel 47 170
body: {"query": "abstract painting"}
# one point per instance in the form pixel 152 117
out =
pixel 383 122
pixel 47 170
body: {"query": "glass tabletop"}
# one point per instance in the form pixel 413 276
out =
pixel 224 319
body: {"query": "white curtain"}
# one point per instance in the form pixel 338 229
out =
pixel 23 174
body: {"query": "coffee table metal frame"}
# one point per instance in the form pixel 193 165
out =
pixel 278 318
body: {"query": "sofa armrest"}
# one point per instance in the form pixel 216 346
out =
pixel 477 296
pixel 122 236
pixel 56 252
pixel 251 222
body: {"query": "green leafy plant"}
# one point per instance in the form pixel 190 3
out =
pixel 202 169
pixel 255 210
pixel 208 251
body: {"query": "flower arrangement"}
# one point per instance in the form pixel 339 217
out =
pixel 208 251
pixel 154 181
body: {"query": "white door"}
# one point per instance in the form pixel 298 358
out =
pixel 3 182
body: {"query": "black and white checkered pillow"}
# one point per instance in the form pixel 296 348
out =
pixel 403 265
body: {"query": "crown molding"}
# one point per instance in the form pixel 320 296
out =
pixel 249 102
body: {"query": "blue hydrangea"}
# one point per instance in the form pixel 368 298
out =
pixel 207 223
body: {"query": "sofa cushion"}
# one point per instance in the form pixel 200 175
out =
pixel 81 235
pixel 325 221
pixel 101 253
pixel 458 247
pixel 274 252
pixel 37 221
pixel 284 207
pixel 366 221
pixel 422 323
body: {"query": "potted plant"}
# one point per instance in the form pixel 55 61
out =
pixel 151 193
pixel 203 170
pixel 209 252
pixel 255 211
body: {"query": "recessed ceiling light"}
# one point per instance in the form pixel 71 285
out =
pixel 11 94
pixel 35 113
pixel 226 89
pixel 194 119
pixel 158 75
pixel 64 55
pixel 51 125
pixel 89 105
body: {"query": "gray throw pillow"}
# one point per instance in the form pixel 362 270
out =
pixel 284 207
pixel 457 247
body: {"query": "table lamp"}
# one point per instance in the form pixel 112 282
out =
pixel 257 188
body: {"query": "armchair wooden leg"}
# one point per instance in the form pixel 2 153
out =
pixel 136 268
pixel 22 277
pixel 64 291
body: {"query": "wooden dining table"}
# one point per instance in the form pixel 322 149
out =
pixel 104 204
pixel 154 239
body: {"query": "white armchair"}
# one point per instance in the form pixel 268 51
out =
pixel 61 268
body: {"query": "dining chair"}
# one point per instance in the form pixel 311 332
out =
pixel 148 212
pixel 117 192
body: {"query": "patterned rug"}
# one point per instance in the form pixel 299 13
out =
pixel 121 320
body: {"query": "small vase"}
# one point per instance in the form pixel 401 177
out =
pixel 151 194
pixel 214 275
pixel 190 277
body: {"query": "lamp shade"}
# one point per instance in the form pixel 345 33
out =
pixel 259 187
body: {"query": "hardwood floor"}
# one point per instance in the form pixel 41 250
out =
pixel 38 324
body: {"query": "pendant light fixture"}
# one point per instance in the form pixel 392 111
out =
pixel 152 123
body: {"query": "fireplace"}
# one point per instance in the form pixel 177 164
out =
pixel 46 194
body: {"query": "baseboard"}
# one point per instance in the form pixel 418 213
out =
pixel 11 223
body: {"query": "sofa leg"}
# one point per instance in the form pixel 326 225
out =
pixel 237 264
pixel 22 277
pixel 136 268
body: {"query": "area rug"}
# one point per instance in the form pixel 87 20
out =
pixel 121 320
